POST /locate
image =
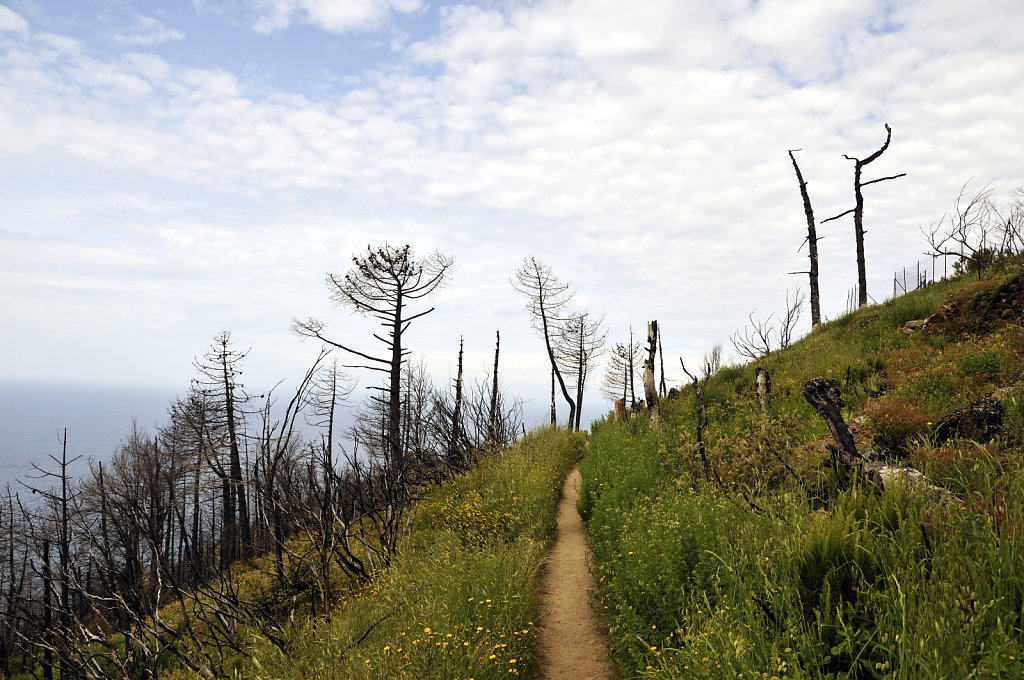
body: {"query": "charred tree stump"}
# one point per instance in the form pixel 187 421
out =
pixel 620 410
pixel 824 396
pixel 981 419
pixel 764 387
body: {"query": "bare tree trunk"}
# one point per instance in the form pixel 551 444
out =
pixel 764 387
pixel 812 243
pixel 650 388
pixel 554 419
pixel 662 386
pixel 493 415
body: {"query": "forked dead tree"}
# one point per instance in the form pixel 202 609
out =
pixel 858 211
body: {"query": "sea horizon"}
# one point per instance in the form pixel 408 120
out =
pixel 34 417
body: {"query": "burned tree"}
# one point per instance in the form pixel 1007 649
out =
pixel 858 211
pixel 969 233
pixel 546 298
pixel 581 344
pixel 219 372
pixel 381 283
pixel 624 366
pixel 812 243
pixel 650 389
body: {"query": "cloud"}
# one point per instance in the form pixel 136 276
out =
pixel 147 31
pixel 12 22
pixel 639 152
pixel 336 17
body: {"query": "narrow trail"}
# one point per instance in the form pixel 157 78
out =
pixel 572 643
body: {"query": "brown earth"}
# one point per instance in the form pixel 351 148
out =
pixel 572 643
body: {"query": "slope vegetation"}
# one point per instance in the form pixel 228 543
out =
pixel 790 567
pixel 460 599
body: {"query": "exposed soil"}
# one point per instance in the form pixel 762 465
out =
pixel 572 643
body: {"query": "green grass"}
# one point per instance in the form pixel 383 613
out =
pixel 460 600
pixel 825 580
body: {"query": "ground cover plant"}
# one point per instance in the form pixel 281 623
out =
pixel 460 599
pixel 786 567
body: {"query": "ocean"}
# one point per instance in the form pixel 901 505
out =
pixel 33 418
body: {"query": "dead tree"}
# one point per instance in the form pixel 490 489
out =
pixel 546 297
pixel 711 364
pixel 381 283
pixel 219 372
pixel 969 231
pixel 763 381
pixel 650 387
pixel 761 337
pixel 492 418
pixel 624 365
pixel 858 211
pixel 812 243
pixel 581 344
pixel 870 468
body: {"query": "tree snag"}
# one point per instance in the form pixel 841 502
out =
pixel 650 386
pixel 764 387
pixel 858 212
pixel 812 243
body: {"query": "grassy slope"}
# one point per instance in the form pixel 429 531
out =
pixel 460 600
pixel 826 581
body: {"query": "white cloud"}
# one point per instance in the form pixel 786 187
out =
pixel 337 17
pixel 147 31
pixel 12 22
pixel 640 152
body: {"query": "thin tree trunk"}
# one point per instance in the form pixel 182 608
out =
pixel 492 420
pixel 812 244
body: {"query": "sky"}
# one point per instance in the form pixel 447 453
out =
pixel 172 169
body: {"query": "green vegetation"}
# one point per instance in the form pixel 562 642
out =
pixel 460 598
pixel 824 578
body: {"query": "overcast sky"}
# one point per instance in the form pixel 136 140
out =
pixel 171 169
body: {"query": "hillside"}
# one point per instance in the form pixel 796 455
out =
pixel 790 566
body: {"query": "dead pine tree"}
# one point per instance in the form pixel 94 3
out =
pixel 858 212
pixel 546 297
pixel 812 243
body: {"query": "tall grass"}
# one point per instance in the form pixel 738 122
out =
pixel 460 600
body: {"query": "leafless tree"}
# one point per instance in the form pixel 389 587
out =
pixel 546 298
pixel 760 338
pixel 624 367
pixel 971 232
pixel 218 383
pixel 709 366
pixel 858 211
pixel 811 241
pixel 581 343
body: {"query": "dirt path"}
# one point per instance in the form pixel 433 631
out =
pixel 572 643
